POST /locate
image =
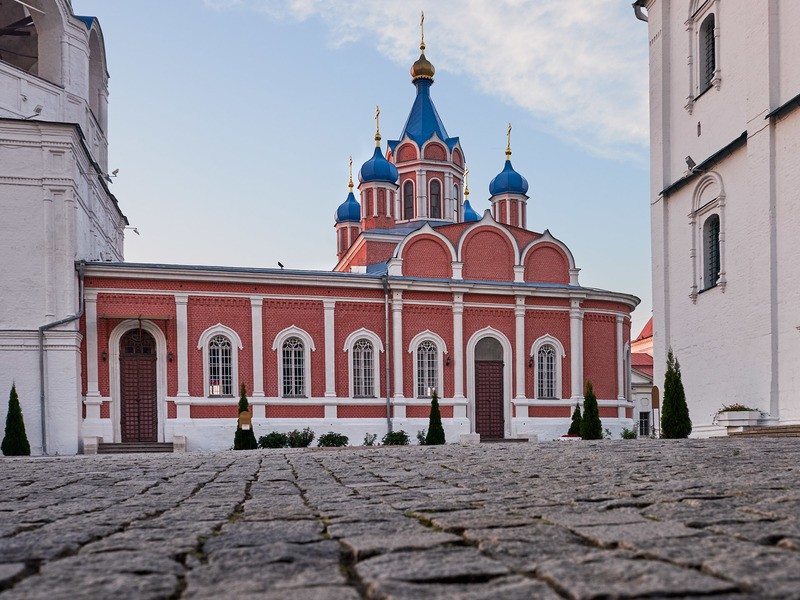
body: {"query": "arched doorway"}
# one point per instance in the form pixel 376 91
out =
pixel 138 385
pixel 489 393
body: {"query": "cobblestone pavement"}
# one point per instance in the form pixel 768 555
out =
pixel 627 519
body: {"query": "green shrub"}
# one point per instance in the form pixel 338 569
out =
pixel 244 439
pixel 575 426
pixel 395 438
pixel 332 440
pixel 274 439
pixel 369 439
pixel 15 441
pixel 675 421
pixel 300 439
pixel 421 437
pixel 628 434
pixel 435 435
pixel 591 427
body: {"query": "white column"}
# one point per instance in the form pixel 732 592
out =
pixel 330 358
pixel 458 354
pixel 447 193
pixel 92 385
pixel 397 350
pixel 257 323
pixel 182 409
pixel 576 348
pixel 519 352
pixel 422 194
pixel 620 361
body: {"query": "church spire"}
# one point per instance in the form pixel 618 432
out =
pixel 422 69
pixel 377 126
pixel 508 148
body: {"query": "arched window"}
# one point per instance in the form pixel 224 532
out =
pixel 427 369
pixel 436 200
pixel 546 372
pixel 707 53
pixel 408 201
pixel 293 365
pixel 711 266
pixel 456 205
pixel 220 367
pixel 363 369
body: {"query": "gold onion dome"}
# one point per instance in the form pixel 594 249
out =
pixel 423 67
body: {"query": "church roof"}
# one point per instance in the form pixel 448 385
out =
pixel 647 331
pixel 423 120
pixel 349 210
pixel 508 181
pixel 377 168
pixel 642 362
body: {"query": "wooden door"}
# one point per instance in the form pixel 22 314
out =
pixel 489 418
pixel 138 389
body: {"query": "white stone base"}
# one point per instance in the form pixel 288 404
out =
pixel 469 439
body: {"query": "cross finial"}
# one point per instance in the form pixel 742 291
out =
pixel 466 183
pixel 350 183
pixel 377 126
pixel 508 148
pixel 422 30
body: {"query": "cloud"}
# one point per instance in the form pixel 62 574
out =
pixel 579 67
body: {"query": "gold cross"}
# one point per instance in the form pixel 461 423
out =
pixel 350 184
pixel 422 28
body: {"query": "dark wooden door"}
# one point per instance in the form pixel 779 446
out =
pixel 489 420
pixel 138 390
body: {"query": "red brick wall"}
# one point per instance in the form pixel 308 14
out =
pixel 417 319
pixel 608 412
pixel 488 255
pixel 350 317
pixel 435 152
pixel 547 263
pixel 600 354
pixel 423 412
pixel 457 157
pixel 361 412
pixel 214 412
pixel 288 411
pixel 427 256
pixel 406 152
pixel 555 323
pixel 550 411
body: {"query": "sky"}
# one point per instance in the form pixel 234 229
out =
pixel 231 121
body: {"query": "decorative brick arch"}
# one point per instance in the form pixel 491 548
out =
pixel 488 251
pixel 458 157
pixel 548 260
pixel 406 152
pixel 435 151
pixel 426 258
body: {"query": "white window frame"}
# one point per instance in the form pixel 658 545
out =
pixel 699 11
pixel 308 347
pixel 708 199
pixel 441 350
pixel 236 345
pixel 553 341
pixel 377 347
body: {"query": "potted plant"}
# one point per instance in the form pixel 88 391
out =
pixel 738 415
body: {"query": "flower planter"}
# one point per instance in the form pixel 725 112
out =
pixel 739 418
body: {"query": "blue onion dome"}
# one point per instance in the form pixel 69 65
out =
pixel 378 168
pixel 508 181
pixel 349 210
pixel 469 213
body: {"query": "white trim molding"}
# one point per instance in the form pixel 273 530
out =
pixel 377 346
pixel 236 345
pixel 308 347
pixel 548 339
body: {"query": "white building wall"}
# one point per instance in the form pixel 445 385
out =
pixel 738 342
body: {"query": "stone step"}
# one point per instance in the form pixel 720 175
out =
pixel 134 447
pixel 503 440
pixel 774 431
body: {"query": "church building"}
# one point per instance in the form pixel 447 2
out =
pixel 426 294
pixel 725 205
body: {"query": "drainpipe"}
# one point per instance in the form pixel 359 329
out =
pixel 385 280
pixel 80 268
pixel 637 10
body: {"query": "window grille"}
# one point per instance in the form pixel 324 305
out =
pixel 293 368
pixel 408 201
pixel 220 367
pixel 644 423
pixel 427 369
pixel 708 53
pixel 546 372
pixel 363 369
pixel 436 200
pixel 711 245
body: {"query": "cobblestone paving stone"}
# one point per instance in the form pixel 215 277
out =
pixel 614 519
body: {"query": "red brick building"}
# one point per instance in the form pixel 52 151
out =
pixel 426 295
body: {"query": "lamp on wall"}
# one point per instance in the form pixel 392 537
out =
pixel 170 357
pixel 104 355
pixel 447 362
pixel 530 363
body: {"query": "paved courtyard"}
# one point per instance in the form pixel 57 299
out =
pixel 698 518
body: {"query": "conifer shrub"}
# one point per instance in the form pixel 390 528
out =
pixel 244 439
pixel 274 439
pixel 395 438
pixel 675 421
pixel 575 426
pixel 15 441
pixel 332 440
pixel 435 435
pixel 421 436
pixel 300 439
pixel 591 427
